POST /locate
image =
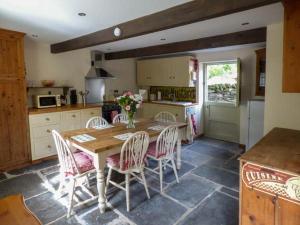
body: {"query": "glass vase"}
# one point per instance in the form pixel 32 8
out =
pixel 130 123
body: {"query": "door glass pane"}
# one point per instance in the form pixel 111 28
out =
pixel 222 82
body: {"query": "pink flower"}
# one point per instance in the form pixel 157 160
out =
pixel 128 93
pixel 127 107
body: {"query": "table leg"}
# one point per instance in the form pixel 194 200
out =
pixel 99 165
pixel 178 152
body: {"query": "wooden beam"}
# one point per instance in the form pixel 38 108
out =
pixel 180 15
pixel 238 38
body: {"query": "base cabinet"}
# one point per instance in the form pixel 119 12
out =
pixel 41 125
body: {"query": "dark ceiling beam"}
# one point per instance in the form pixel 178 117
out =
pixel 191 12
pixel 239 38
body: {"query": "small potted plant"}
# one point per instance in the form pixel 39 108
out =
pixel 130 103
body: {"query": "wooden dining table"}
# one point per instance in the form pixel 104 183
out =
pixel 105 144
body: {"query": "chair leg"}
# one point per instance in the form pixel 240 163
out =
pixel 127 180
pixel 175 170
pixel 71 194
pixel 108 179
pixel 160 175
pixel 145 184
pixel 61 183
pixel 87 180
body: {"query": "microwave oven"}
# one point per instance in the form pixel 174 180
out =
pixel 46 101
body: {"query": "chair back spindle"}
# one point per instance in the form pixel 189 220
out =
pixel 165 117
pixel 96 121
pixel 166 141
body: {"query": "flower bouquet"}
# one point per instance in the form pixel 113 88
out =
pixel 130 103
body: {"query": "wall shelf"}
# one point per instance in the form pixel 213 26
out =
pixel 65 88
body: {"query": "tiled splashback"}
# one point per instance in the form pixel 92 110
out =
pixel 186 94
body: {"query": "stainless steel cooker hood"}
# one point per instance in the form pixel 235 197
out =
pixel 96 71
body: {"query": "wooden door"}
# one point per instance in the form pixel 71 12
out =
pixel 287 213
pixel 13 106
pixel 257 208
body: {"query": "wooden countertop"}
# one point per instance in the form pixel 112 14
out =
pixel 170 104
pixel 32 111
pixel 279 149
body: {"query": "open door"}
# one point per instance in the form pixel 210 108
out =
pixel 222 98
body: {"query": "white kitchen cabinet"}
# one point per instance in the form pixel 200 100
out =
pixel 172 71
pixel 86 114
pixel 41 125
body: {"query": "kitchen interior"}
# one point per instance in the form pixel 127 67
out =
pixel 251 134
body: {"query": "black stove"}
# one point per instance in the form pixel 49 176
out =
pixel 107 110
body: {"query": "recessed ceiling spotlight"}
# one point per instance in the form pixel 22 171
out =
pixel 246 23
pixel 81 14
pixel 35 35
pixel 163 39
pixel 117 32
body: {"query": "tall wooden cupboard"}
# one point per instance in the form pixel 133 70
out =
pixel 14 149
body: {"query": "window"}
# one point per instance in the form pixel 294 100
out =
pixel 222 82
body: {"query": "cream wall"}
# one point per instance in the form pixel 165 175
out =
pixel 281 109
pixel 70 68
pixel 248 64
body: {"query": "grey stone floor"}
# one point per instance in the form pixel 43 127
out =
pixel 206 195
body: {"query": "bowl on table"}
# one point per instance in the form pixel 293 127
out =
pixel 47 83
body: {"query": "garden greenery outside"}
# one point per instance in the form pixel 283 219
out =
pixel 222 82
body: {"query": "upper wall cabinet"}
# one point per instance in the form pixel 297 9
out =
pixel 174 71
pixel 291 52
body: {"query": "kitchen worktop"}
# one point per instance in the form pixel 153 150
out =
pixel 279 149
pixel 32 111
pixel 171 103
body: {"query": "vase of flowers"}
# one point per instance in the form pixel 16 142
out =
pixel 130 103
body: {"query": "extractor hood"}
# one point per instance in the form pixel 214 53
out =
pixel 96 71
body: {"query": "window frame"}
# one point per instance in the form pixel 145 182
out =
pixel 236 61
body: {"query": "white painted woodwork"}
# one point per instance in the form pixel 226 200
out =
pixel 172 71
pixel 41 125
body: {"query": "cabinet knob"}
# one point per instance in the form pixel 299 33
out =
pixel 49 146
pixel 92 113
pixel 73 116
pixel 47 119
pixel 48 131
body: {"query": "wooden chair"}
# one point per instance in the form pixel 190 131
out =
pixel 165 117
pixel 96 121
pixel 130 162
pixel 74 167
pixel 120 118
pixel 163 151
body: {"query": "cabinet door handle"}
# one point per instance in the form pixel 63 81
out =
pixel 48 119
pixel 73 116
pixel 49 146
pixel 48 131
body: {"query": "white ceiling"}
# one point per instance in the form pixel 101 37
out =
pixel 57 20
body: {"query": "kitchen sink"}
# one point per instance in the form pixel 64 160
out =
pixel 172 102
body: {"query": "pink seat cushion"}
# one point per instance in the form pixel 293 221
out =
pixel 84 161
pixel 114 161
pixel 152 150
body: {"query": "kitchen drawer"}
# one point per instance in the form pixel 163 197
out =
pixel 44 119
pixel 44 131
pixel 43 147
pixel 71 120
pixel 86 114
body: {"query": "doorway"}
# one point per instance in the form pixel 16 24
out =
pixel 221 100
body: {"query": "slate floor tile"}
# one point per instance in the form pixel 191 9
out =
pixel 144 211
pixel 210 150
pixel 28 185
pixel 219 209
pixel 65 221
pixel 53 179
pixel 230 192
pixel 194 158
pixel 230 146
pixel 50 170
pixel 218 175
pixel 94 217
pixel 46 207
pixel 191 190
pixel 34 167
pixel 231 164
pixel 2 176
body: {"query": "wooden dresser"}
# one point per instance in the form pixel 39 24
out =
pixel 14 149
pixel 270 180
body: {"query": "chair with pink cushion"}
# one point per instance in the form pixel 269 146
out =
pixel 73 167
pixel 120 118
pixel 130 162
pixel 163 151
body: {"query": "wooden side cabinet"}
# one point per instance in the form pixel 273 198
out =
pixel 260 72
pixel 14 149
pixel 291 49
